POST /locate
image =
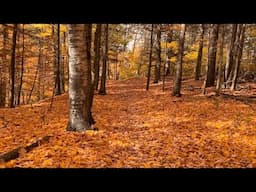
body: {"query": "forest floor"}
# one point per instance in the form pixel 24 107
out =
pixel 137 129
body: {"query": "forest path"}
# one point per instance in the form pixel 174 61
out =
pixel 137 128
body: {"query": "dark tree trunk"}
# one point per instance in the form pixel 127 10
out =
pixel 169 52
pixel 22 64
pixel 158 55
pixel 58 78
pixel 3 80
pixel 150 57
pixel 102 90
pixel 178 77
pixel 234 55
pixel 240 45
pixel 210 74
pixel 12 66
pixel 231 53
pixel 220 66
pixel 97 43
pixel 200 54
pixel 88 30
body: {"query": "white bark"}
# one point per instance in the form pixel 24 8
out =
pixel 78 80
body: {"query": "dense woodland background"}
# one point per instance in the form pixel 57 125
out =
pixel 34 57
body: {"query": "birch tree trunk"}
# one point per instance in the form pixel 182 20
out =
pixel 79 79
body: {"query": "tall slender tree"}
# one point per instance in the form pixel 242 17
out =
pixel 58 80
pixel 150 56
pixel 97 56
pixel 158 54
pixel 169 51
pixel 12 67
pixel 210 74
pixel 237 60
pixel 22 63
pixel 200 53
pixel 3 79
pixel 102 90
pixel 91 75
pixel 220 63
pixel 178 77
pixel 230 52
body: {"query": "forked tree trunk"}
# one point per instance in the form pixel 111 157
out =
pixel 240 46
pixel 230 52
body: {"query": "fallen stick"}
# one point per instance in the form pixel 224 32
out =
pixel 248 99
pixel 15 153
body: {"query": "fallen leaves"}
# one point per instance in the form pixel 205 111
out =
pixel 137 129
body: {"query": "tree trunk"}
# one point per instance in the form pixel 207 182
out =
pixel 3 80
pixel 115 67
pixel 169 52
pixel 210 74
pixel 150 57
pixel 62 66
pixel 200 54
pixel 240 45
pixel 220 66
pixel 158 55
pixel 234 55
pixel 165 64
pixel 102 90
pixel 58 78
pixel 22 63
pixel 67 56
pixel 79 78
pixel 91 75
pixel 230 53
pixel 12 66
pixel 178 78
pixel 97 43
